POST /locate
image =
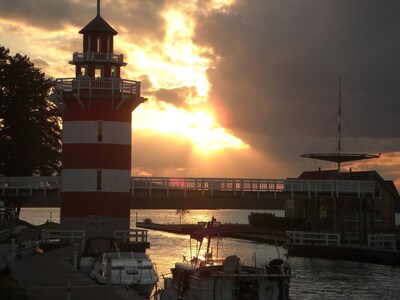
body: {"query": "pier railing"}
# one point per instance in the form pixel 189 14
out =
pixel 383 241
pixel 132 235
pixel 237 186
pixel 314 238
pixel 30 185
pixel 73 236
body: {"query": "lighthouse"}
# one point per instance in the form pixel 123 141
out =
pixel 97 107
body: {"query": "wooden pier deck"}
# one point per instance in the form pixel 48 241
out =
pixel 51 276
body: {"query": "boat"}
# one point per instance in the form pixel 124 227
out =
pixel 16 240
pixel 133 269
pixel 205 278
pixel 94 248
pixel 105 263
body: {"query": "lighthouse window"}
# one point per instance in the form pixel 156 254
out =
pixel 88 44
pixel 99 131
pixel 98 44
pixel 98 71
pixel 98 180
pixel 84 70
pixel 113 71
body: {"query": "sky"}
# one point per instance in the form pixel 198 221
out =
pixel 237 88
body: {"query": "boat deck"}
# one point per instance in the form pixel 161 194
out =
pixel 51 276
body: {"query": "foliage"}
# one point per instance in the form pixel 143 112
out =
pixel 181 213
pixel 148 221
pixel 30 125
pixel 272 221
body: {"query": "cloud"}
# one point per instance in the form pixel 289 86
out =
pixel 176 96
pixel 279 64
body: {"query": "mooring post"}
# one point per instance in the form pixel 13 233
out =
pixel 75 257
pixel 69 291
pixel 109 263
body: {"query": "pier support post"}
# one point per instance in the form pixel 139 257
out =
pixel 109 266
pixel 334 215
pixel 360 215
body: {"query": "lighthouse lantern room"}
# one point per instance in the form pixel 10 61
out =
pixel 97 107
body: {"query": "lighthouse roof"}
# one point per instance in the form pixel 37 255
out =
pixel 98 24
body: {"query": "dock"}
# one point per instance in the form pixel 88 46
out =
pixel 51 275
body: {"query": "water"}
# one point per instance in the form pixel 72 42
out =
pixel 314 278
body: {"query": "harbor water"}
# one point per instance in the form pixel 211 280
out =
pixel 314 278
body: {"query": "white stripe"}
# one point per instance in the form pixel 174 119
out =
pixel 86 132
pixel 85 180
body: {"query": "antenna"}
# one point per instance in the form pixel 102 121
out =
pixel 339 156
pixel 339 149
pixel 98 7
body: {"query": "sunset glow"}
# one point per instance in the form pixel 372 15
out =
pixel 200 127
pixel 233 88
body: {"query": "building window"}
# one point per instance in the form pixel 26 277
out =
pixel 378 193
pixel 378 216
pixel 99 131
pixel 98 180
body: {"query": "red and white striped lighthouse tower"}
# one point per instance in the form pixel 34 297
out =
pixel 97 109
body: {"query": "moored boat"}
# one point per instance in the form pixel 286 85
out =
pixel 133 269
pixel 203 277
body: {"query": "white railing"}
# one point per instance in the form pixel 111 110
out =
pixel 72 236
pixel 314 238
pixel 240 185
pixel 49 235
pixel 88 84
pixel 132 235
pixel 31 184
pixel 383 241
pixel 94 56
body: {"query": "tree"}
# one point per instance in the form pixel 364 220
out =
pixel 181 213
pixel 30 124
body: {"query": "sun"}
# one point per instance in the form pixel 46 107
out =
pixel 199 127
pixel 180 63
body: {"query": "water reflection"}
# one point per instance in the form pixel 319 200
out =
pixel 315 278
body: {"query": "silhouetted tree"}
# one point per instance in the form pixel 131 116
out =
pixel 30 124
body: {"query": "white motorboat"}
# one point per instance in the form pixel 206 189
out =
pixel 203 278
pixel 134 269
pixel 15 240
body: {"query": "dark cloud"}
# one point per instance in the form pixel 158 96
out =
pixel 141 20
pixel 176 96
pixel 280 61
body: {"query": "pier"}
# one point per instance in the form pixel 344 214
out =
pixel 51 275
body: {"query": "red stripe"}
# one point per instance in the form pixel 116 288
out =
pixel 96 156
pixel 99 110
pixel 78 204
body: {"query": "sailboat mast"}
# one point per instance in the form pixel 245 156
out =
pixel 339 148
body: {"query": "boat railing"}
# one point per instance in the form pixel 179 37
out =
pixel 71 236
pixel 132 235
pixel 314 238
pixel 383 241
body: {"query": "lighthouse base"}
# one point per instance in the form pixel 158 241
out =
pixel 95 226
